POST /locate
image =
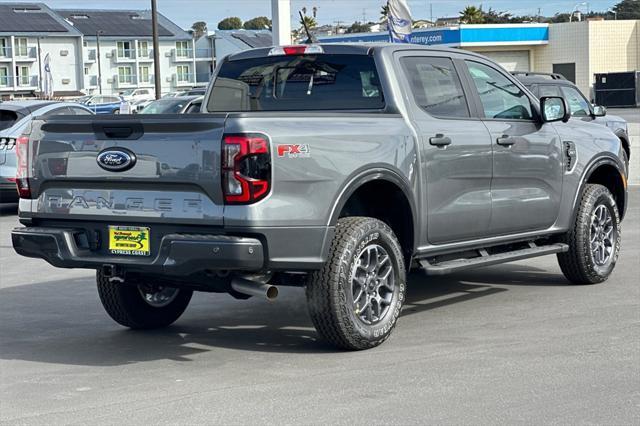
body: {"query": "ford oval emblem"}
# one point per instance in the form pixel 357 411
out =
pixel 116 159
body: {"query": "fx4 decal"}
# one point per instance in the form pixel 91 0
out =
pixel 294 151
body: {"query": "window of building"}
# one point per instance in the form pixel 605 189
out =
pixel 578 105
pixel 124 49
pixel 21 47
pixel 23 76
pixel 436 86
pixel 182 49
pixel 4 47
pixel 143 49
pixel 86 70
pixel 183 73
pixel 125 75
pixel 143 74
pixel 500 97
pixel 4 76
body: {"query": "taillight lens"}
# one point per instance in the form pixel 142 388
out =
pixel 22 170
pixel 298 49
pixel 246 168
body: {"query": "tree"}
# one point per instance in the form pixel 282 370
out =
pixel 199 28
pixel 258 23
pixel 628 9
pixel 358 27
pixel 472 15
pixel 494 17
pixel 310 21
pixel 384 13
pixel 231 23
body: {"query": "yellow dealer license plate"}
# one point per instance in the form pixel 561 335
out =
pixel 129 240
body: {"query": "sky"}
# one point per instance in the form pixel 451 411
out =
pixel 186 12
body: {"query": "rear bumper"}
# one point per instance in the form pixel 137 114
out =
pixel 178 255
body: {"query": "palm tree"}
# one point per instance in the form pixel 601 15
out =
pixel 384 13
pixel 310 21
pixel 472 15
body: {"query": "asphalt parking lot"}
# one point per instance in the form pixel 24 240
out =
pixel 506 344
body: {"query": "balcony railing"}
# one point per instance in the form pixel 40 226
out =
pixel 145 55
pixel 125 80
pixel 91 80
pixel 5 52
pixel 204 54
pixel 203 78
pixel 90 55
pixel 27 81
pixel 29 54
pixel 183 79
pixel 182 54
pixel 146 81
pixel 124 55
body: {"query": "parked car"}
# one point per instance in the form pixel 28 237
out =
pixel 102 104
pixel 174 94
pixel 542 84
pixel 180 105
pixel 135 95
pixel 196 91
pixel 336 167
pixel 15 116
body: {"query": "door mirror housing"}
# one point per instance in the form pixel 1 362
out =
pixel 599 111
pixel 554 108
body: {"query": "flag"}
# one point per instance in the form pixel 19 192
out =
pixel 399 21
pixel 48 77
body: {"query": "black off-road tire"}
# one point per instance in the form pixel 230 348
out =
pixel 124 303
pixel 329 293
pixel 578 265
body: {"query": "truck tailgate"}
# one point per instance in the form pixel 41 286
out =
pixel 175 175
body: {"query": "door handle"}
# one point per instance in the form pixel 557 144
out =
pixel 506 140
pixel 440 140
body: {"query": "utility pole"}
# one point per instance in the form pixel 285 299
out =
pixel 99 67
pixel 338 24
pixel 364 15
pixel 156 49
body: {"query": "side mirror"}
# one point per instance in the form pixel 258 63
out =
pixel 554 108
pixel 599 111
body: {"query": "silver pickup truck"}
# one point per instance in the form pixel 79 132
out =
pixel 333 167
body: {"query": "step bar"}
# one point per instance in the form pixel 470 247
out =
pixel 486 259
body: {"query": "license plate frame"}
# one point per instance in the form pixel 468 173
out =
pixel 130 240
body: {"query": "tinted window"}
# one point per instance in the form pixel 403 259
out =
pixel 7 118
pixel 500 97
pixel 57 111
pixel 110 99
pixel 80 111
pixel 165 106
pixel 436 86
pixel 577 103
pixel 295 83
pixel 548 90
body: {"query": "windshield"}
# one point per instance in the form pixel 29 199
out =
pixel 127 92
pixel 166 106
pixel 83 99
pixel 7 118
pixel 297 83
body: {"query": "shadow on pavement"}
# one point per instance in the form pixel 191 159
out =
pixel 62 322
pixel 7 209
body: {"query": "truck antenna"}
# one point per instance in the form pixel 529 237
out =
pixel 310 38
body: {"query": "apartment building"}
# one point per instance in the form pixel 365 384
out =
pixel 28 33
pixel 93 51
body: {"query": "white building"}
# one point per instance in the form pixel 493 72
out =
pixel 73 38
pixel 28 32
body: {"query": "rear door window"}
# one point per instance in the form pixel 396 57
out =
pixel 297 83
pixel 436 86
pixel 548 90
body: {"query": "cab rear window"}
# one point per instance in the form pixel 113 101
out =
pixel 297 83
pixel 7 118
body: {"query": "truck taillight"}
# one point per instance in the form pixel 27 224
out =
pixel 22 169
pixel 246 168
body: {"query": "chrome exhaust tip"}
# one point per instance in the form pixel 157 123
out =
pixel 254 288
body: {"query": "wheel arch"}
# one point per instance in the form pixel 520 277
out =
pixel 356 199
pixel 605 171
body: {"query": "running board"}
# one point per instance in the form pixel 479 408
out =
pixel 486 259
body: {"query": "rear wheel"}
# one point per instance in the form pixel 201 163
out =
pixel 355 299
pixel 142 306
pixel 594 240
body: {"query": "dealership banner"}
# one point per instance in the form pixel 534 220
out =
pixel 399 21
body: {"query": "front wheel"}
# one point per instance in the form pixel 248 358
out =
pixel 594 240
pixel 355 299
pixel 142 306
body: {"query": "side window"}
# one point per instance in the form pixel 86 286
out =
pixel 500 97
pixel 436 86
pixel 577 103
pixel 548 90
pixel 80 111
pixel 57 111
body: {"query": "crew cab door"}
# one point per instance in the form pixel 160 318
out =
pixel 456 157
pixel 527 154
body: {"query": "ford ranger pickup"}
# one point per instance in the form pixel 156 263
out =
pixel 336 167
